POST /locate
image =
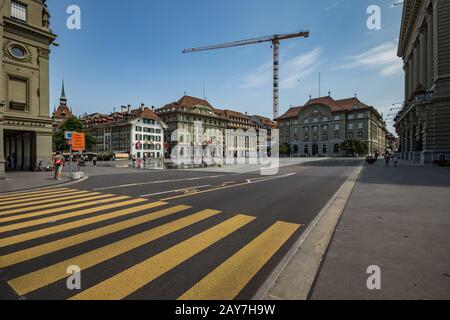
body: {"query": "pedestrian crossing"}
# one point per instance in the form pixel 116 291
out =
pixel 37 225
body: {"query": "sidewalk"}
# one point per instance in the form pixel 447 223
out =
pixel 399 220
pixel 19 180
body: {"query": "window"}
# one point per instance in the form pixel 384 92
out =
pixel 360 115
pixel 350 117
pixel 350 135
pixel 360 125
pixel 18 52
pixel 17 94
pixel 18 10
pixel 337 118
pixel 337 127
pixel 360 135
pixel 138 129
pixel 350 126
pixel 337 136
pixel 324 148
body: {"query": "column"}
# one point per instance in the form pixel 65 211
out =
pixel 26 151
pixel 416 70
pixel 2 157
pixel 429 49
pixel 423 58
pixel 406 69
pixel 411 77
pixel 19 152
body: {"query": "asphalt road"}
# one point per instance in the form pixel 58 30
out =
pixel 195 235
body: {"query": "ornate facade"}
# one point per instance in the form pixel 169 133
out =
pixel 25 125
pixel 423 124
pixel 320 127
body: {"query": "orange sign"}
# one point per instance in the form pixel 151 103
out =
pixel 78 142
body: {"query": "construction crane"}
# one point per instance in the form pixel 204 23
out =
pixel 275 39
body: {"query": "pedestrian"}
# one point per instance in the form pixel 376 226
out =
pixel 59 163
pixel 387 158
pixel 396 160
pixel 94 161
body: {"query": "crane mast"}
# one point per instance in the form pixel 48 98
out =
pixel 275 39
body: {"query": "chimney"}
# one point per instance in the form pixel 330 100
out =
pixel 153 108
pixel 129 108
pixel 142 106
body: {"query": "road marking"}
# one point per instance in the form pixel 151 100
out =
pixel 82 222
pixel 12 195
pixel 77 206
pixel 72 195
pixel 34 252
pixel 52 205
pixel 172 191
pixel 134 278
pixel 248 182
pixel 49 192
pixel 227 280
pixel 156 182
pixel 43 277
pixel 36 200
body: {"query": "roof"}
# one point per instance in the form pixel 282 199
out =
pixel 145 113
pixel 62 112
pixel 348 104
pixel 185 103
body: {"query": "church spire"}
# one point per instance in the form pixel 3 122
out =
pixel 63 99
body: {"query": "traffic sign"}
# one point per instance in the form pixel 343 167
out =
pixel 78 142
pixel 68 135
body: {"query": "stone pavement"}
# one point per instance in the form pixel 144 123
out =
pixel 19 180
pixel 397 219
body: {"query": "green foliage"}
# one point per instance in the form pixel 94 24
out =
pixel 355 147
pixel 75 125
pixel 285 149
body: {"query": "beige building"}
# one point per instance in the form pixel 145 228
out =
pixel 135 133
pixel 320 126
pixel 25 125
pixel 423 124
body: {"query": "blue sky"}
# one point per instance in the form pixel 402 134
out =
pixel 128 52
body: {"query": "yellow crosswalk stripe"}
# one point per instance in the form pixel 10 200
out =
pixel 67 208
pixel 40 191
pixel 73 195
pixel 125 283
pixel 49 192
pixel 82 222
pixel 24 202
pixel 34 252
pixel 31 223
pixel 227 280
pixel 59 204
pixel 43 277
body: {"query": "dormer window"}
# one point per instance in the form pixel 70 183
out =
pixel 18 11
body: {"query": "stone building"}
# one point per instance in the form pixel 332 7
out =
pixel 320 126
pixel 184 116
pixel 138 132
pixel 25 124
pixel 423 124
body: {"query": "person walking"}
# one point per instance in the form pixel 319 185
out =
pixel 94 161
pixel 387 158
pixel 396 159
pixel 59 164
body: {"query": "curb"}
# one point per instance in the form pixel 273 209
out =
pixel 294 276
pixel 44 187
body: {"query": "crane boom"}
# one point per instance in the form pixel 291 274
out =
pixel 275 39
pixel 249 41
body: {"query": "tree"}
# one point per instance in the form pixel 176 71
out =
pixel 285 149
pixel 75 125
pixel 355 147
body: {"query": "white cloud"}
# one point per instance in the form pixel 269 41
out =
pixel 333 5
pixel 383 59
pixel 292 70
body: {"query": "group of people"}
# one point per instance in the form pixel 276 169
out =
pixel 59 162
pixel 391 156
